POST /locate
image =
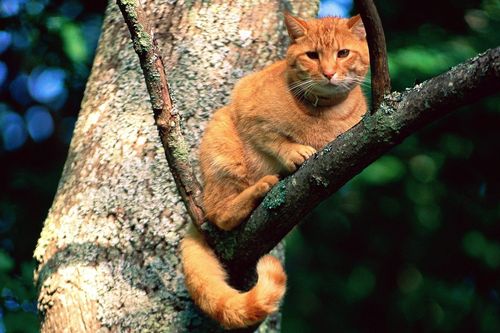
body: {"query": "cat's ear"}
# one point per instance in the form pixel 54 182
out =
pixel 296 27
pixel 355 25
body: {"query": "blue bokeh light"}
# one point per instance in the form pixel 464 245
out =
pixel 19 89
pixel 7 220
pixel 71 9
pixel 3 72
pixel 11 304
pixel 5 225
pixel 21 39
pixel 39 123
pixel 334 8
pixel 34 7
pixel 5 40
pixel 10 7
pixel 29 306
pixel 7 244
pixel 46 84
pixel 6 293
pixel 2 325
pixel 13 131
pixel 60 101
pixel 14 136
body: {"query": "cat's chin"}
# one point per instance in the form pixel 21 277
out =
pixel 329 90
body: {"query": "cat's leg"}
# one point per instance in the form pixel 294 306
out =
pixel 289 154
pixel 231 211
pixel 292 155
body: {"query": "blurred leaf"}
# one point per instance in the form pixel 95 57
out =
pixel 385 170
pixel 409 280
pixel 492 7
pixel 474 243
pixel 490 321
pixel 429 217
pixel 27 269
pixel 360 283
pixel 437 313
pixel 74 43
pixel 455 146
pixel 6 262
pixel 424 60
pixel 477 246
pixel 21 322
pixel 421 193
pixel 423 168
pixel 492 255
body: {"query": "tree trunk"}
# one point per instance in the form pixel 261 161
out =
pixel 107 254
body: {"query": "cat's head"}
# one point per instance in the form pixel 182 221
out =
pixel 327 56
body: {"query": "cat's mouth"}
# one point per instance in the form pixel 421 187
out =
pixel 330 87
pixel 321 86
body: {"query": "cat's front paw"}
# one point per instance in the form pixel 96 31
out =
pixel 297 155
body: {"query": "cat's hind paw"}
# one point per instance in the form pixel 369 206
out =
pixel 265 184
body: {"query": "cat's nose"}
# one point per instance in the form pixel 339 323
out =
pixel 329 74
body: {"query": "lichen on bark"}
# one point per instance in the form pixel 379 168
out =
pixel 276 197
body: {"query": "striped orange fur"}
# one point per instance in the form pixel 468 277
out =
pixel 277 118
pixel 206 281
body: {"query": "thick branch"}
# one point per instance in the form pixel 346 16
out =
pixel 381 81
pixel 398 116
pixel 166 118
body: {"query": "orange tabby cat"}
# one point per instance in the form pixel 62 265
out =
pixel 277 118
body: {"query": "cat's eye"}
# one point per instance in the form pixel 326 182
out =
pixel 343 53
pixel 312 55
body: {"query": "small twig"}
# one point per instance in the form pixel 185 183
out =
pixel 381 81
pixel 167 120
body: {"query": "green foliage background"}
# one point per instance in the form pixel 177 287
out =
pixel 412 244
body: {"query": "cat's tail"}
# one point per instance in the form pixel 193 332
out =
pixel 206 282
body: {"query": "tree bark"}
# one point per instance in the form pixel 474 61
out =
pixel 107 255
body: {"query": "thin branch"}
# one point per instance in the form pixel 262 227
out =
pixel 398 116
pixel 166 118
pixel 381 81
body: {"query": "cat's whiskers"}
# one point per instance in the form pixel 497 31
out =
pixel 300 94
pixel 298 88
pixel 361 81
pixel 307 90
pixel 297 84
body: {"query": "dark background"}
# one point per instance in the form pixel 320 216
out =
pixel 412 244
